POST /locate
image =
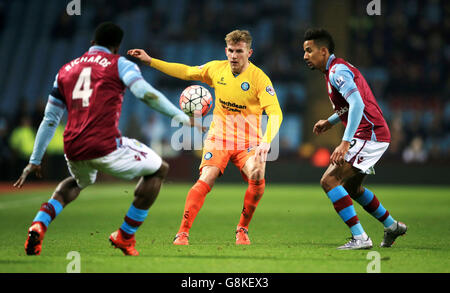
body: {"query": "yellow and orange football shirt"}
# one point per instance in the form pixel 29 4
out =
pixel 239 101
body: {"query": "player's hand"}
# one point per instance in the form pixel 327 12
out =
pixel 262 150
pixel 141 55
pixel 338 156
pixel 321 126
pixel 30 168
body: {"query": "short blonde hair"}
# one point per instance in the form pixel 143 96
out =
pixel 237 36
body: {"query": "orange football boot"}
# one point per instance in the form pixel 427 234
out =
pixel 126 245
pixel 181 239
pixel 33 244
pixel 242 236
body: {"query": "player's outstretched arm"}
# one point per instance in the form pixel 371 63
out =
pixel 156 100
pixel 176 70
pixel 131 76
pixel 30 168
pixel 53 113
pixel 141 55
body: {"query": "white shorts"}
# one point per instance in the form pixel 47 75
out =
pixel 131 159
pixel 364 154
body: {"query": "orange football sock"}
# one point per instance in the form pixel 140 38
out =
pixel 194 202
pixel 253 195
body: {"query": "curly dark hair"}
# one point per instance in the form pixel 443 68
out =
pixel 108 34
pixel 320 37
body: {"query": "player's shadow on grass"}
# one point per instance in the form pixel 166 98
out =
pixel 406 246
pixel 311 244
pixel 342 258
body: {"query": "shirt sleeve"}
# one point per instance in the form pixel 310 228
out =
pixel 129 72
pixel 269 103
pixel 56 93
pixel 341 78
pixel 53 112
pixel 131 76
pixel 157 100
pixel 355 113
pixel 201 73
pixel 334 119
pixel 266 93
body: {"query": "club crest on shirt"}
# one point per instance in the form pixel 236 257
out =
pixel 245 86
pixel 270 90
pixel 208 156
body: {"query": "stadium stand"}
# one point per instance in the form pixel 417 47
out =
pixel 403 55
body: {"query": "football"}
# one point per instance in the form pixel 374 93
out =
pixel 196 100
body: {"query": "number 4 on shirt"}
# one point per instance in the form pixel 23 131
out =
pixel 82 88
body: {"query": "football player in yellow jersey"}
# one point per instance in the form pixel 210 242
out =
pixel 242 93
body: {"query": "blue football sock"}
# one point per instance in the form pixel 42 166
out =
pixel 344 207
pixel 133 219
pixel 370 203
pixel 48 211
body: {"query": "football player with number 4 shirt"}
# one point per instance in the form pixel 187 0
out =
pixel 243 92
pixel 91 89
pixel 365 139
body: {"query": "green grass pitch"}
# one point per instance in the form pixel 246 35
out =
pixel 295 229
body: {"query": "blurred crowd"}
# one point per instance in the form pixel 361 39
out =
pixel 403 54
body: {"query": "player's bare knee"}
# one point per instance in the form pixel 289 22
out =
pixel 328 182
pixel 209 175
pixel 163 170
pixel 256 174
pixel 210 180
pixel 66 191
pixel 160 173
pixel 66 185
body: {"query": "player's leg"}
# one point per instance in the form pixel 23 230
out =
pixel 145 194
pixel 214 162
pixel 66 191
pixel 371 204
pixel 130 160
pixel 332 183
pixel 367 199
pixel 148 187
pixel 194 202
pixel 254 171
pixel 363 156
